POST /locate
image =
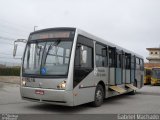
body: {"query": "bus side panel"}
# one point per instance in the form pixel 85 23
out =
pixel 141 79
pixel 84 92
pixel 132 76
pixel 106 79
pixel 138 77
pixel 118 76
pixel 112 76
pixel 124 75
pixel 128 76
pixel 102 75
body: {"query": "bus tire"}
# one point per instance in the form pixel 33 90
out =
pixel 132 92
pixel 153 84
pixel 99 96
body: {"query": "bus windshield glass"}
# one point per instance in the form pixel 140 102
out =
pixel 47 57
pixel 156 73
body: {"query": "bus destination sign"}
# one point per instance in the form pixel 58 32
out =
pixel 50 34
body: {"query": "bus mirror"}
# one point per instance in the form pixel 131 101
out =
pixel 15 50
pixel 16 45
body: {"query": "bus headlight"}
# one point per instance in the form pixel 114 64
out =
pixel 62 85
pixel 23 82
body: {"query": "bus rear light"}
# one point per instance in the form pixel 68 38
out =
pixel 62 85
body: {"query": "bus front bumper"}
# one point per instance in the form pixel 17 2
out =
pixel 51 96
pixel 155 81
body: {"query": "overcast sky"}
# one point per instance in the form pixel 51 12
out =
pixel 132 24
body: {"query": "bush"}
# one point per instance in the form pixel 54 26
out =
pixel 15 71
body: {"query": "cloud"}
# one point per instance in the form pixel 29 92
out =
pixel 132 24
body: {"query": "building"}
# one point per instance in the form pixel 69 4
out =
pixel 151 65
pixel 154 55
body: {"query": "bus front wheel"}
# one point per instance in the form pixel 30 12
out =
pixel 99 96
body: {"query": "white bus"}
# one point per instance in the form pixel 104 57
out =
pixel 68 66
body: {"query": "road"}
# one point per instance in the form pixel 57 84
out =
pixel 147 100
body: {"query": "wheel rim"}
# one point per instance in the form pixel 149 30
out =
pixel 99 96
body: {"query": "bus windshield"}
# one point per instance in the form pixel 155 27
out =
pixel 47 57
pixel 156 73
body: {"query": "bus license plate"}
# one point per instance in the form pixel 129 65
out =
pixel 40 92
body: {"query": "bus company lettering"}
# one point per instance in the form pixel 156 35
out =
pixel 101 72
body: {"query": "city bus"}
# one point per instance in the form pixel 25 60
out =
pixel 155 77
pixel 70 67
pixel 147 75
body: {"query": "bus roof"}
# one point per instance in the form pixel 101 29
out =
pixel 56 28
pixel 79 31
pixel 106 42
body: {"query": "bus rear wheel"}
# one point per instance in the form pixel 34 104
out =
pixel 132 92
pixel 99 96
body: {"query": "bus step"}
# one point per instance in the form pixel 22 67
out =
pixel 131 86
pixel 117 89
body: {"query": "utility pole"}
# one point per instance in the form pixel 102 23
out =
pixel 35 28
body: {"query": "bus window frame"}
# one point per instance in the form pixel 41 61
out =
pixel 106 47
pixel 83 69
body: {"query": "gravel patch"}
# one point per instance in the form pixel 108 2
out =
pixel 10 79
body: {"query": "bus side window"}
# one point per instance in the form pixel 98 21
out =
pixel 101 55
pixel 83 63
pixel 123 61
pixel 112 57
pixel 133 63
pixel 128 61
pixel 119 59
pixel 137 63
pixel 83 56
pixel 137 60
pixel 141 64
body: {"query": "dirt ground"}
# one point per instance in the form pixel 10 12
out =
pixel 10 79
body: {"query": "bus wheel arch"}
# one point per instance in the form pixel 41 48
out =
pixel 99 94
pixel 104 88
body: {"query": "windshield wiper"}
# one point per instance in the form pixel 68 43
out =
pixel 56 43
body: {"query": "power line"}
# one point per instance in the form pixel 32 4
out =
pixel 10 44
pixel 8 62
pixel 10 58
pixel 6 43
pixel 5 26
pixel 14 24
pixel 14 33
pixel 5 54
pixel 6 38
pixel 6 58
